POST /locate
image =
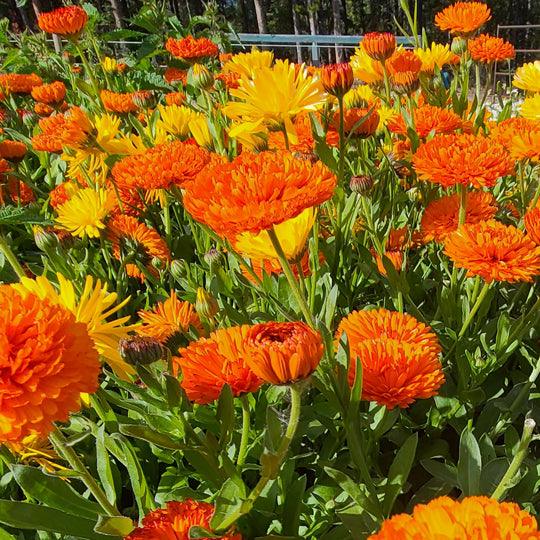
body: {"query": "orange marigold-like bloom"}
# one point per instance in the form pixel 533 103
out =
pixel 210 363
pixel 64 21
pixel 283 353
pixel 526 145
pixel 505 131
pixel 379 45
pixel 4 166
pixel 175 163
pixel 427 119
pixel 42 109
pixel 463 18
pixel 494 251
pixel 230 79
pixel 16 191
pixel 173 74
pixel 394 249
pixel 168 318
pixel 469 519
pixel 120 102
pixel 50 93
pixel 362 122
pixel 462 159
pixel 441 217
pixel 46 360
pixel 273 267
pixel 337 79
pixel 175 98
pixel 12 150
pixel 174 522
pixel 127 233
pixel 17 83
pixel 404 68
pixel 532 223
pixel 399 356
pixel 192 49
pixel 256 191
pixel 486 49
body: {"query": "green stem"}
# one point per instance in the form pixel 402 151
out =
pixel 462 190
pixel 341 163
pixel 167 219
pixel 521 454
pixel 474 310
pixel 87 69
pixel 299 297
pixel 386 84
pixel 478 86
pixel 67 452
pixel 245 431
pixel 11 258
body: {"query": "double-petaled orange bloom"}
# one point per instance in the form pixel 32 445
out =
pixel 175 521
pixel 441 217
pixel 122 102
pixel 64 21
pixel 394 249
pixel 462 159
pixel 471 518
pixel 256 191
pixel 399 356
pixel 379 45
pixel 404 68
pixel 131 237
pixel 50 93
pixel 532 223
pixel 173 74
pixel 337 79
pixel 176 163
pixel 192 49
pixel 427 119
pixel 463 18
pixel 361 122
pixel 19 83
pixel 494 251
pixel 486 49
pixel 12 150
pixel 46 360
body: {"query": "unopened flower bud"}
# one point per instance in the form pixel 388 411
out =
pixel 361 184
pixel 143 99
pixel 142 350
pixel 337 79
pixel 28 117
pixel 158 263
pixel 199 76
pixel 45 240
pixel 459 45
pixel 177 269
pixel 206 305
pixel 213 257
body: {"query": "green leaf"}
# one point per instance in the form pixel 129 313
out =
pixel 292 505
pixel 103 464
pixel 201 532
pixel 40 518
pixel 139 431
pixel 399 472
pixel 53 492
pixel 229 502
pixel 492 474
pixel 4 535
pixel 225 414
pixel 273 434
pixel 114 525
pixel 469 464
pixel 442 471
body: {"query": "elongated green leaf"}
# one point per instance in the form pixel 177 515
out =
pixel 40 518
pixel 228 504
pixel 293 505
pixel 53 492
pixel 469 464
pixel 104 466
pixel 147 434
pixel 114 525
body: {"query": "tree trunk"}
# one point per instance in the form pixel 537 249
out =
pixel 243 11
pixel 261 16
pixel 296 26
pixel 313 28
pixel 338 26
pixel 118 13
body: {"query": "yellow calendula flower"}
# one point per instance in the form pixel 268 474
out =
pixel 292 235
pixel 33 450
pixel 437 55
pixel 93 307
pixel 385 113
pixel 109 64
pixel 201 132
pixel 361 96
pixel 530 108
pixel 251 135
pixel 276 95
pixel 249 63
pixel 87 164
pixel 84 214
pixel 527 77
pixel 365 68
pixel 175 119
pixel 107 128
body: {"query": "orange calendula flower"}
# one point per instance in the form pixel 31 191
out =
pixel 4 166
pixel 273 267
pixel 469 519
pixel 129 235
pixel 486 49
pixel 404 68
pixel 494 251
pixel 526 145
pixel 16 191
pixel 362 122
pixel 12 150
pixel 463 18
pixel 379 45
pixel 283 353
pixel 396 244
pixel 120 102
pixel 399 356
pixel 16 83
pixel 337 79
pixel 174 522
pixel 210 363
pixel 168 318
pixel 192 49
pixel 532 224
pixel 505 131
pixel 256 191
pixel 462 159
pixel 64 21
pixel 173 74
pixel 175 98
pixel 176 163
pixel 50 93
pixel 441 217
pixel 230 79
pixel 46 360
pixel 427 119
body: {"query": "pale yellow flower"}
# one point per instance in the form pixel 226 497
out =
pixel 249 63
pixel 527 77
pixel 385 113
pixel 292 235
pixel 88 164
pixel 359 96
pixel 201 132
pixel 92 307
pixel 437 55
pixel 175 119
pixel 251 135
pixel 530 108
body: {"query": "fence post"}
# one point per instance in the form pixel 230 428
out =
pixel 315 53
